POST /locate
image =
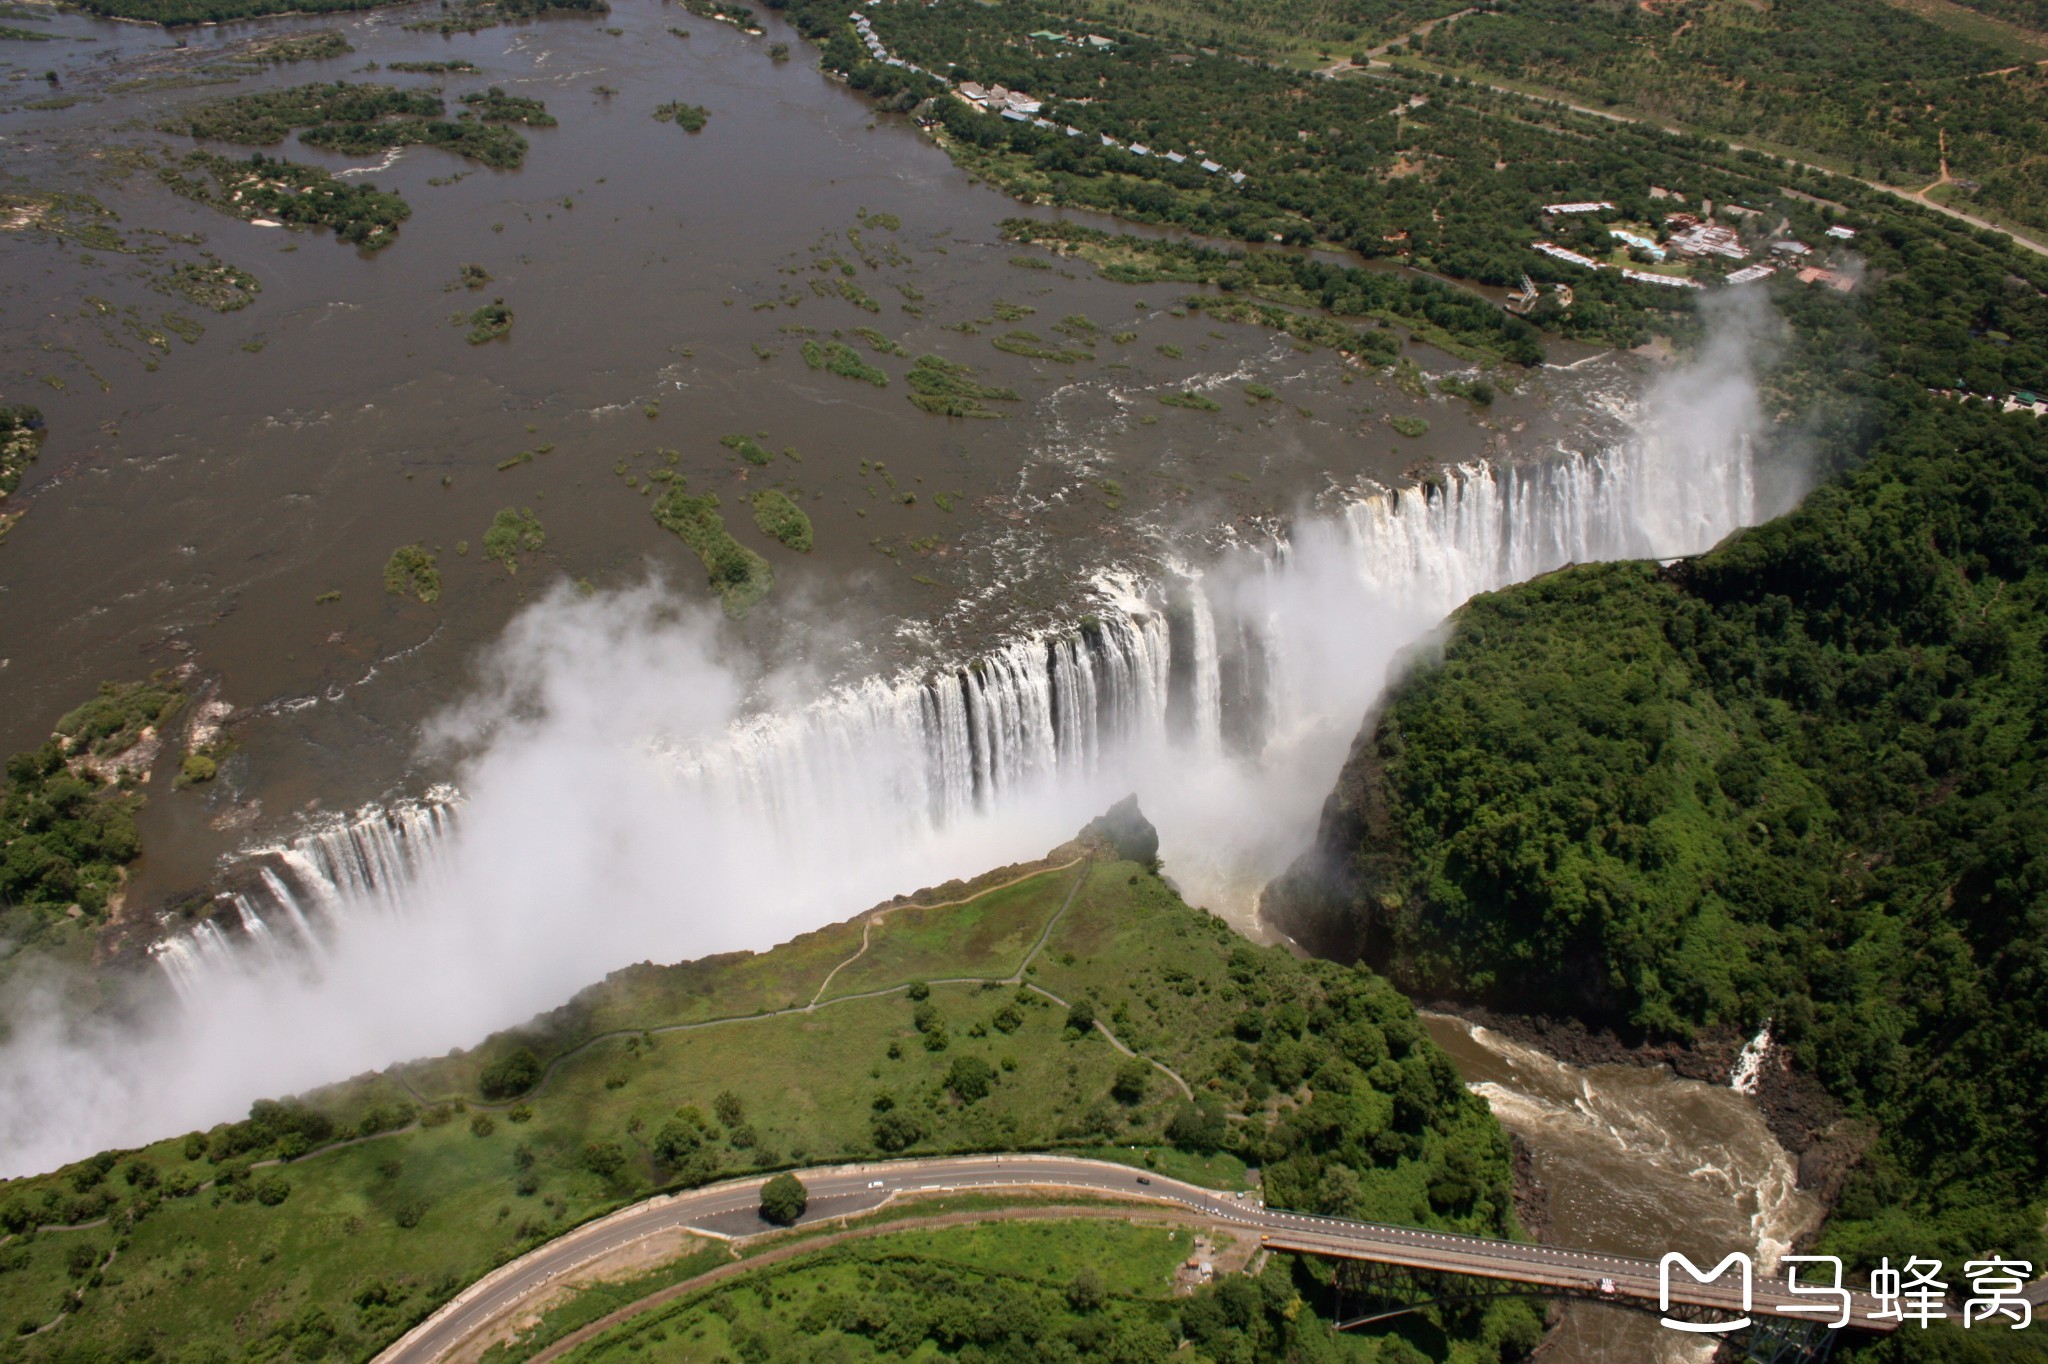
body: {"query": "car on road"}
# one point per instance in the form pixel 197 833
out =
pixel 876 1183
pixel 1143 1180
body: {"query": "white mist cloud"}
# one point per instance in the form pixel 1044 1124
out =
pixel 621 806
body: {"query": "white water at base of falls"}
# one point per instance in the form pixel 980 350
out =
pixel 1636 1162
pixel 1226 699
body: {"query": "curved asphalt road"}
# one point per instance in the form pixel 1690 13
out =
pixel 730 1210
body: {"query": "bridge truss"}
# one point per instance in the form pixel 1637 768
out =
pixel 1367 1292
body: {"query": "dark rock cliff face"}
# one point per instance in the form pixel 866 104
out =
pixel 1327 900
pixel 1126 831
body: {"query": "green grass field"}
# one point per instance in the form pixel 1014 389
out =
pixel 666 1077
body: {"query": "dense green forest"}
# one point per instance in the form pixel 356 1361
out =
pixel 1797 779
pixel 1862 83
pixel 985 1294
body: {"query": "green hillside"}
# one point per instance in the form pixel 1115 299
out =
pixel 1798 779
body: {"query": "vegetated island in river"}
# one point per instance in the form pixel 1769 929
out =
pixel 399 1188
pixel 361 120
pixel 290 193
pixel 1794 781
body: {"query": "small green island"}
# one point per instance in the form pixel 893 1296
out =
pixel 691 118
pixel 741 577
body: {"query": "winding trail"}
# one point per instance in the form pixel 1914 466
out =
pixel 1015 977
pixel 875 916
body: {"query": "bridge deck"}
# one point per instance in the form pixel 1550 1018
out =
pixel 1548 1267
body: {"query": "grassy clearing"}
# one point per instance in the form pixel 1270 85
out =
pixel 988 937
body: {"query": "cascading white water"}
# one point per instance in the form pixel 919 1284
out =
pixel 1747 1074
pixel 1311 625
pixel 579 843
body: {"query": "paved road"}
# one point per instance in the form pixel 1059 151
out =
pixel 731 1210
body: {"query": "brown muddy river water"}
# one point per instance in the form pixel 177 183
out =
pixel 1003 624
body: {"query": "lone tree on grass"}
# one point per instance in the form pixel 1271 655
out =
pixel 783 1199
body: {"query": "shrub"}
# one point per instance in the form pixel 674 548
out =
pixel 1133 1081
pixel 604 1158
pixel 783 1199
pixel 970 1077
pixel 513 531
pixel 676 1142
pixel 513 1075
pixel 411 569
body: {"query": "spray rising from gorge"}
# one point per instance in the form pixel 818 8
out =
pixel 622 799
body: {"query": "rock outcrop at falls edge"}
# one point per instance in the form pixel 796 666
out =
pixel 1794 779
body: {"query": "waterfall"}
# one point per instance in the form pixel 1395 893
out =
pixel 1183 672
pixel 1748 1071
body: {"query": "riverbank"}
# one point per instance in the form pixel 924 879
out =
pixel 1804 1119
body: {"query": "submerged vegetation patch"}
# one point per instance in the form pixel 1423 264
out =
pixel 948 388
pixel 514 531
pixel 843 360
pixel 747 448
pixel 782 519
pixel 1410 426
pixel 413 571
pixel 1194 402
pixel 1033 346
pixel 739 576
pixel 211 284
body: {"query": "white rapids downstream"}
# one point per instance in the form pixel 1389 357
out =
pixel 1637 1161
